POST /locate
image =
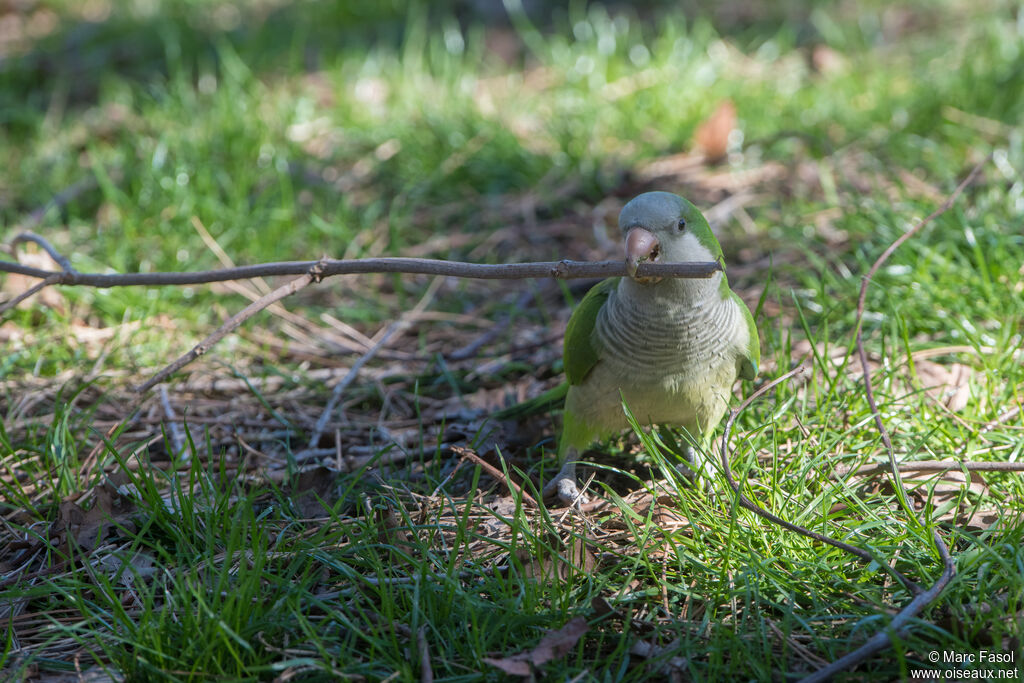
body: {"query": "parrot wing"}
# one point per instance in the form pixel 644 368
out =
pixel 751 359
pixel 582 350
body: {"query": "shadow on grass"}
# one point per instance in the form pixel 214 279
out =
pixel 70 65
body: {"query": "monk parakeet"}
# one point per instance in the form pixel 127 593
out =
pixel 671 348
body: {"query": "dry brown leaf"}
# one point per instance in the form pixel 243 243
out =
pixel 939 490
pixel 554 645
pixel 313 491
pixel 14 284
pixel 673 666
pixel 712 136
pixel 827 61
pixel 394 532
pixel 87 529
pixel 950 385
pixel 575 558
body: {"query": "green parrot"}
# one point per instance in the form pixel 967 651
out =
pixel 670 348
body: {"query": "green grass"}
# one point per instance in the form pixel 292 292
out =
pixel 293 130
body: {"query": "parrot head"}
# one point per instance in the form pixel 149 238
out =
pixel 661 227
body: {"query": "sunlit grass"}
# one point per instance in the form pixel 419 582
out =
pixel 290 131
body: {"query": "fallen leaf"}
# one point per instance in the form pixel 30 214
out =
pixel 942 492
pixel 394 532
pixel 672 667
pixel 950 385
pixel 575 558
pixel 554 645
pixel 87 528
pixel 827 61
pixel 313 491
pixel 14 284
pixel 712 136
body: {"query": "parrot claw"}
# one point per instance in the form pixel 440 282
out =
pixel 694 469
pixel 696 478
pixel 564 487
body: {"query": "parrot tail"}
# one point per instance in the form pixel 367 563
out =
pixel 538 404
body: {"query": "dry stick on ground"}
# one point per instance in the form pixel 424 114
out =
pixel 745 502
pixel 230 325
pixel 31 291
pixel 497 474
pixel 932 466
pixel 469 350
pixel 59 259
pixel 922 599
pixel 883 639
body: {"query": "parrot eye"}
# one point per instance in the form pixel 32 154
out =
pixel 682 225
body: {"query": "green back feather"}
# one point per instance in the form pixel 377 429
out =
pixel 581 351
pixel 750 363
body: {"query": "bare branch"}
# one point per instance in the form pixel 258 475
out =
pixel 897 624
pixel 51 279
pixel 57 257
pixel 868 390
pixel 745 502
pixel 314 271
pixel 498 475
pixel 230 325
pixel 480 271
pixel 922 599
pixel 883 639
pixel 934 466
pixel 469 350
pixel 31 291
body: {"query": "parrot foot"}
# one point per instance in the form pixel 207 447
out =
pixel 694 469
pixel 695 478
pixel 564 487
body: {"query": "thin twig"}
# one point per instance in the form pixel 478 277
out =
pixel 861 302
pixel 495 473
pixel 897 625
pixel 339 388
pixel 52 279
pixel 922 599
pixel 933 466
pixel 426 672
pixel 745 502
pixel 57 257
pixel 177 438
pixel 883 639
pixel 482 271
pixel 230 325
pixel 34 289
pixel 471 349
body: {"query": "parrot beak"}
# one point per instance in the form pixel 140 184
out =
pixel 641 246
